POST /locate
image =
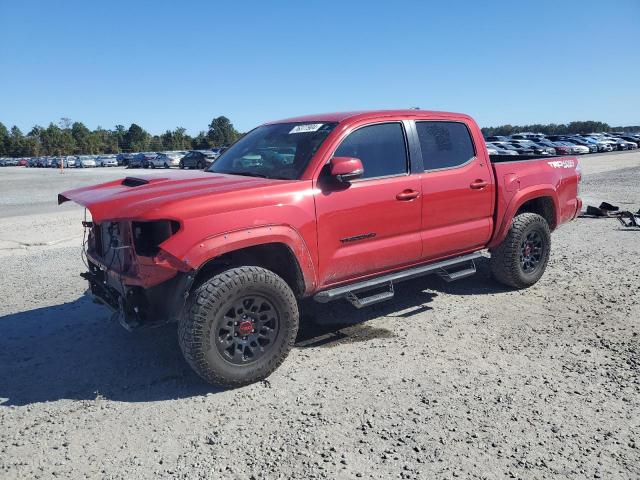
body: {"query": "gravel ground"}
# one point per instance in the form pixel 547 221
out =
pixel 465 380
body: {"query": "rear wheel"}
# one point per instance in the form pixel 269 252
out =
pixel 521 259
pixel 165 165
pixel 181 165
pixel 200 166
pixel 239 326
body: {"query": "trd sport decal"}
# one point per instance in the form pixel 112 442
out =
pixel 561 164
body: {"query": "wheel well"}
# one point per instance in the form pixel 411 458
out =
pixel 543 206
pixel 276 257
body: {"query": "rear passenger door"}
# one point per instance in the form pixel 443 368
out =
pixel 373 223
pixel 457 190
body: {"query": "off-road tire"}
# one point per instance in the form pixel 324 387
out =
pixel 207 305
pixel 506 264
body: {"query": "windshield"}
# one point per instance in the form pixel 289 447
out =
pixel 281 150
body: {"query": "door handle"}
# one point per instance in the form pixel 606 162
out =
pixel 407 195
pixel 478 184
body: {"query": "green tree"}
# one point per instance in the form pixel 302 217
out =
pixel 201 142
pixel 221 132
pixel 4 140
pixel 81 137
pixel 156 144
pixel 136 139
pixel 16 142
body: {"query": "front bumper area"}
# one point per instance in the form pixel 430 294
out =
pixel 134 306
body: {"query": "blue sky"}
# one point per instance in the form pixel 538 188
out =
pixel 164 64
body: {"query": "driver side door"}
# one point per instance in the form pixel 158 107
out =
pixel 371 224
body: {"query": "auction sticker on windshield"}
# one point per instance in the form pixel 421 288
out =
pixel 307 127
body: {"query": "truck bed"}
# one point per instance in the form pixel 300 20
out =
pixel 554 179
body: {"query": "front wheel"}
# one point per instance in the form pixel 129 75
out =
pixel 239 326
pixel 521 259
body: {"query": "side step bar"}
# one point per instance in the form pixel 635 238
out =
pixel 445 268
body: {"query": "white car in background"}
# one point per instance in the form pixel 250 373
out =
pixel 166 160
pixel 85 161
pixel 107 161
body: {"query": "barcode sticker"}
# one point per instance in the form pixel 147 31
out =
pixel 307 127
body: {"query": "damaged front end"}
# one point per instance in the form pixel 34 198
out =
pixel 129 272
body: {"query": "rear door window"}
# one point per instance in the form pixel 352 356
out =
pixel 444 144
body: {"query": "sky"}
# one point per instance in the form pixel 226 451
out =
pixel 164 64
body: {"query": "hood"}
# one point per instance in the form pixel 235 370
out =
pixel 145 197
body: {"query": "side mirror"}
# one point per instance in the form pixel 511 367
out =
pixel 345 169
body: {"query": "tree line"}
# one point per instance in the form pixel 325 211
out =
pixel 589 126
pixel 71 138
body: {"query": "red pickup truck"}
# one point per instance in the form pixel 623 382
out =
pixel 341 205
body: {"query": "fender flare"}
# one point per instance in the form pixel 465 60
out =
pixel 214 246
pixel 520 198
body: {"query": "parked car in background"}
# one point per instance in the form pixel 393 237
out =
pixel 148 156
pixel 527 136
pixel 600 145
pixel 166 160
pixel 617 143
pixel 217 151
pixel 85 161
pixel 497 138
pixel 199 159
pixel 580 141
pixel 521 150
pixel 499 150
pixel 140 159
pixel 564 148
pixel 124 158
pixel 574 149
pixel 107 161
pixel 632 139
pixel 537 149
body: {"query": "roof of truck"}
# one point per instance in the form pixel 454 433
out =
pixel 341 116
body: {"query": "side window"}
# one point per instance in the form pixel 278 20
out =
pixel 381 148
pixel 444 144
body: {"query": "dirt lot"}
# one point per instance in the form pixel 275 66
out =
pixel 465 380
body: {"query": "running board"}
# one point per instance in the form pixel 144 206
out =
pixel 448 276
pixel 371 299
pixel 350 291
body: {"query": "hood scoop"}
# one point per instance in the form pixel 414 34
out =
pixel 134 182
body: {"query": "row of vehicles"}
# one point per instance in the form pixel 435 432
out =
pixel 198 159
pixel 574 144
pixel 517 144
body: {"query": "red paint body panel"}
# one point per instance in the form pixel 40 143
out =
pixel 338 235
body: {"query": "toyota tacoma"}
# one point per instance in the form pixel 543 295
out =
pixel 333 206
